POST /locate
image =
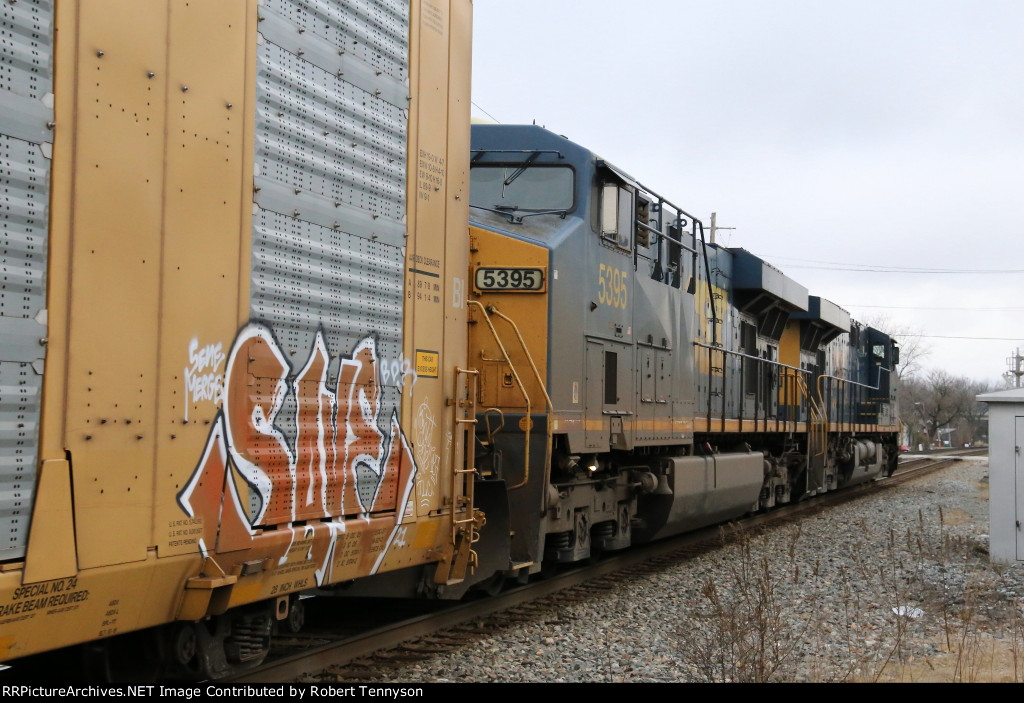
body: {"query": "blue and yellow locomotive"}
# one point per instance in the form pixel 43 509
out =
pixel 635 380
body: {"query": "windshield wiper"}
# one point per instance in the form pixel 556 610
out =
pixel 519 171
pixel 500 210
pixel 509 212
pixel 560 213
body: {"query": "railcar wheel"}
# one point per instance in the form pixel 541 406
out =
pixel 130 657
pixel 181 647
pixel 296 617
pixel 96 662
pixel 184 645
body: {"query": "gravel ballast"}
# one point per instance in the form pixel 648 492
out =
pixel 896 586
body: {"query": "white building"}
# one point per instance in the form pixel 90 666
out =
pixel 1006 475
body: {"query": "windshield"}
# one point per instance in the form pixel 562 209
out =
pixel 518 187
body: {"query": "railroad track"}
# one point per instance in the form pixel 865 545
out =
pixel 366 647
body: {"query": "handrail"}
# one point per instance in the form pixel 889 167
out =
pixel 816 412
pixel 743 355
pixel 782 370
pixel 543 389
pixel 857 383
pixel 522 388
pixel 846 382
pixel 652 230
pixel 819 403
pixel 529 357
pixel 698 226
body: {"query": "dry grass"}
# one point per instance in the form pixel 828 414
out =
pixel 949 615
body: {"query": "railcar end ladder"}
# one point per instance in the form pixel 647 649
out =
pixel 460 558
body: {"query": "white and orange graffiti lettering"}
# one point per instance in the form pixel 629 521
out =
pixel 339 463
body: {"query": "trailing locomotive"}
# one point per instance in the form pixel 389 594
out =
pixel 274 323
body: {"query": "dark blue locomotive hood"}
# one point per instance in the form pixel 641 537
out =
pixel 523 139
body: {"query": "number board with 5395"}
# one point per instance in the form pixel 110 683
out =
pixel 510 279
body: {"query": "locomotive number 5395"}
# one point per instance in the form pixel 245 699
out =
pixel 510 278
pixel 614 291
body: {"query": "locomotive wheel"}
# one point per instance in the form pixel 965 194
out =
pixel 549 568
pixel 493 585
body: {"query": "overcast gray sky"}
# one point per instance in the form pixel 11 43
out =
pixel 831 134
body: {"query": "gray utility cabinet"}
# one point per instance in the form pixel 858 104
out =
pixel 1006 475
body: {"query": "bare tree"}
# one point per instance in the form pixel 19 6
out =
pixel 911 395
pixel 937 401
pixel 974 422
pixel 914 348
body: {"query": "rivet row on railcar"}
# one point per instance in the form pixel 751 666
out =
pixel 636 380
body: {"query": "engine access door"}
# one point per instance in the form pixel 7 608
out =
pixel 609 391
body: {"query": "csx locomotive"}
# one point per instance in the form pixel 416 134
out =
pixel 275 324
pixel 644 381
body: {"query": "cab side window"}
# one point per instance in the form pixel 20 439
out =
pixel 617 215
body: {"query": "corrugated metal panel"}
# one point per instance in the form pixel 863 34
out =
pixel 326 137
pixel 20 388
pixel 331 142
pixel 331 172
pixel 310 276
pixel 26 55
pixel 374 31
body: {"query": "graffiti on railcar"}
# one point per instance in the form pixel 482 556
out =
pixel 338 465
pixel 430 456
pixel 204 381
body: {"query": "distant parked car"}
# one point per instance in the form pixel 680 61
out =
pixel 904 448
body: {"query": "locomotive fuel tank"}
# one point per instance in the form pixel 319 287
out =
pixel 697 491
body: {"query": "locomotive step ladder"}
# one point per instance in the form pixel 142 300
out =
pixel 817 438
pixel 487 313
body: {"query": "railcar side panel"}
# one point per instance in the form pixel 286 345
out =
pixel 257 310
pixel 436 249
pixel 204 239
